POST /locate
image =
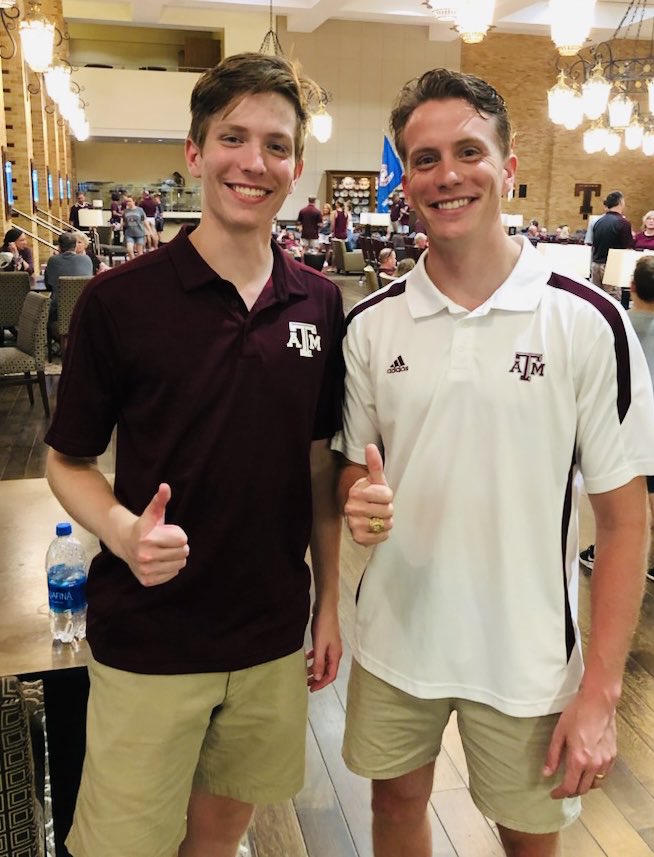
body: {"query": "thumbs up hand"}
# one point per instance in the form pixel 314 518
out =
pixel 156 551
pixel 369 506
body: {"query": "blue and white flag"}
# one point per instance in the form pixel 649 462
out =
pixel 390 177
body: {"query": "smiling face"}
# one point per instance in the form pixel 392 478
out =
pixel 455 173
pixel 247 162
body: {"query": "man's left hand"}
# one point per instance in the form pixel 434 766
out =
pixel 585 740
pixel 325 656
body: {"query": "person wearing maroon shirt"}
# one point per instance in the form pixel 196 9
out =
pixel 611 231
pixel 199 598
pixel 310 220
pixel 149 206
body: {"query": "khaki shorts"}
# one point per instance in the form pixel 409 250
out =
pixel 151 738
pixel 389 733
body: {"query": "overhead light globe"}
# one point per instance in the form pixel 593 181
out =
pixel 595 93
pixel 564 104
pixel 650 92
pixel 633 134
pixel 612 145
pixel 620 109
pixel 473 18
pixel 321 125
pixel 648 142
pixel 570 30
pixel 37 43
pixel 57 81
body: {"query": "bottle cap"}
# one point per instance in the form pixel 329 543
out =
pixel 64 529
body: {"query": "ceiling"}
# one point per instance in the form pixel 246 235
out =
pixel 511 16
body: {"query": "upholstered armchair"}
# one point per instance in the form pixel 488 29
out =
pixel 14 286
pixel 346 261
pixel 68 291
pixel 24 364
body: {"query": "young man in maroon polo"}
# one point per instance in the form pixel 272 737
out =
pixel 218 359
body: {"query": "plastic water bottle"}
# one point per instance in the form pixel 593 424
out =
pixel 66 568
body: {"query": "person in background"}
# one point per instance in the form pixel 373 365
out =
pixel 563 234
pixel 420 241
pixel 199 599
pixel 66 263
pixel 149 206
pixel 611 230
pixel 387 261
pixel 309 221
pixel 644 240
pixel 83 247
pixel 15 242
pixel 350 226
pixel 73 216
pixel 404 266
pixel 115 217
pixel 159 221
pixel 394 211
pixel 339 221
pixel 489 381
pixel 133 228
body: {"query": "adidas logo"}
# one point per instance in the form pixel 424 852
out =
pixel 398 365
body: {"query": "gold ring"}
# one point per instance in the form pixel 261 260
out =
pixel 376 525
pixel 600 776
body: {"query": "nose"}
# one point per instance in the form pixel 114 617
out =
pixel 252 160
pixel 446 174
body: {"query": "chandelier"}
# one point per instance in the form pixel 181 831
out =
pixel 320 123
pixel 472 18
pixel 38 39
pixel 610 83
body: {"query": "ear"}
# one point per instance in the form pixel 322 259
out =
pixel 510 169
pixel 297 172
pixel 193 157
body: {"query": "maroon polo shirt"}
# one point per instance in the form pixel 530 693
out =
pixel 310 219
pixel 223 404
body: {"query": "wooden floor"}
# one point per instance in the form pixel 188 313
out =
pixel 331 816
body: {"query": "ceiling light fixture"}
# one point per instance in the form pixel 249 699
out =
pixel 320 122
pixel 610 78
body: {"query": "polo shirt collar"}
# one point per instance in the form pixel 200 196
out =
pixel 521 291
pixel 194 272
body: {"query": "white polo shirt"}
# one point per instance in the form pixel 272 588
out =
pixel 485 417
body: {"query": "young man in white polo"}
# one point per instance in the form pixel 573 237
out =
pixel 488 381
pixel 218 358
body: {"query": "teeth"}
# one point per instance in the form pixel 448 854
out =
pixel 454 203
pixel 249 191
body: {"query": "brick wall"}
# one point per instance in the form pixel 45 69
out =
pixel 551 159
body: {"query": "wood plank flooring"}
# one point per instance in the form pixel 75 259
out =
pixel 331 816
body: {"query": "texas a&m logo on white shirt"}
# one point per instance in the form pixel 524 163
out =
pixel 527 365
pixel 303 336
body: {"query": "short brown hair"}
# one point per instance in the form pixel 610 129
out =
pixel 644 279
pixel 249 74
pixel 441 83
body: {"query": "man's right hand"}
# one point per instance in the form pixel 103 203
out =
pixel 154 550
pixel 370 498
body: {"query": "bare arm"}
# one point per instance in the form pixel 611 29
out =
pixel 586 732
pixel 325 547
pixel 155 551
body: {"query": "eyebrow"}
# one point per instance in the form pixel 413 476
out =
pixel 241 129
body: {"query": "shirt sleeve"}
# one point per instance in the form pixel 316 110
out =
pixel 615 406
pixel 360 423
pixel 89 393
pixel 329 411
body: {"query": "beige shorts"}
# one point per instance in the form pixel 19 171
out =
pixel 151 738
pixel 389 733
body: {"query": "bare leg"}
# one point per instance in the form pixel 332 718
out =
pixel 215 825
pixel 129 247
pixel 518 844
pixel 650 558
pixel 400 827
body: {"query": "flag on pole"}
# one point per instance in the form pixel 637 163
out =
pixel 390 176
